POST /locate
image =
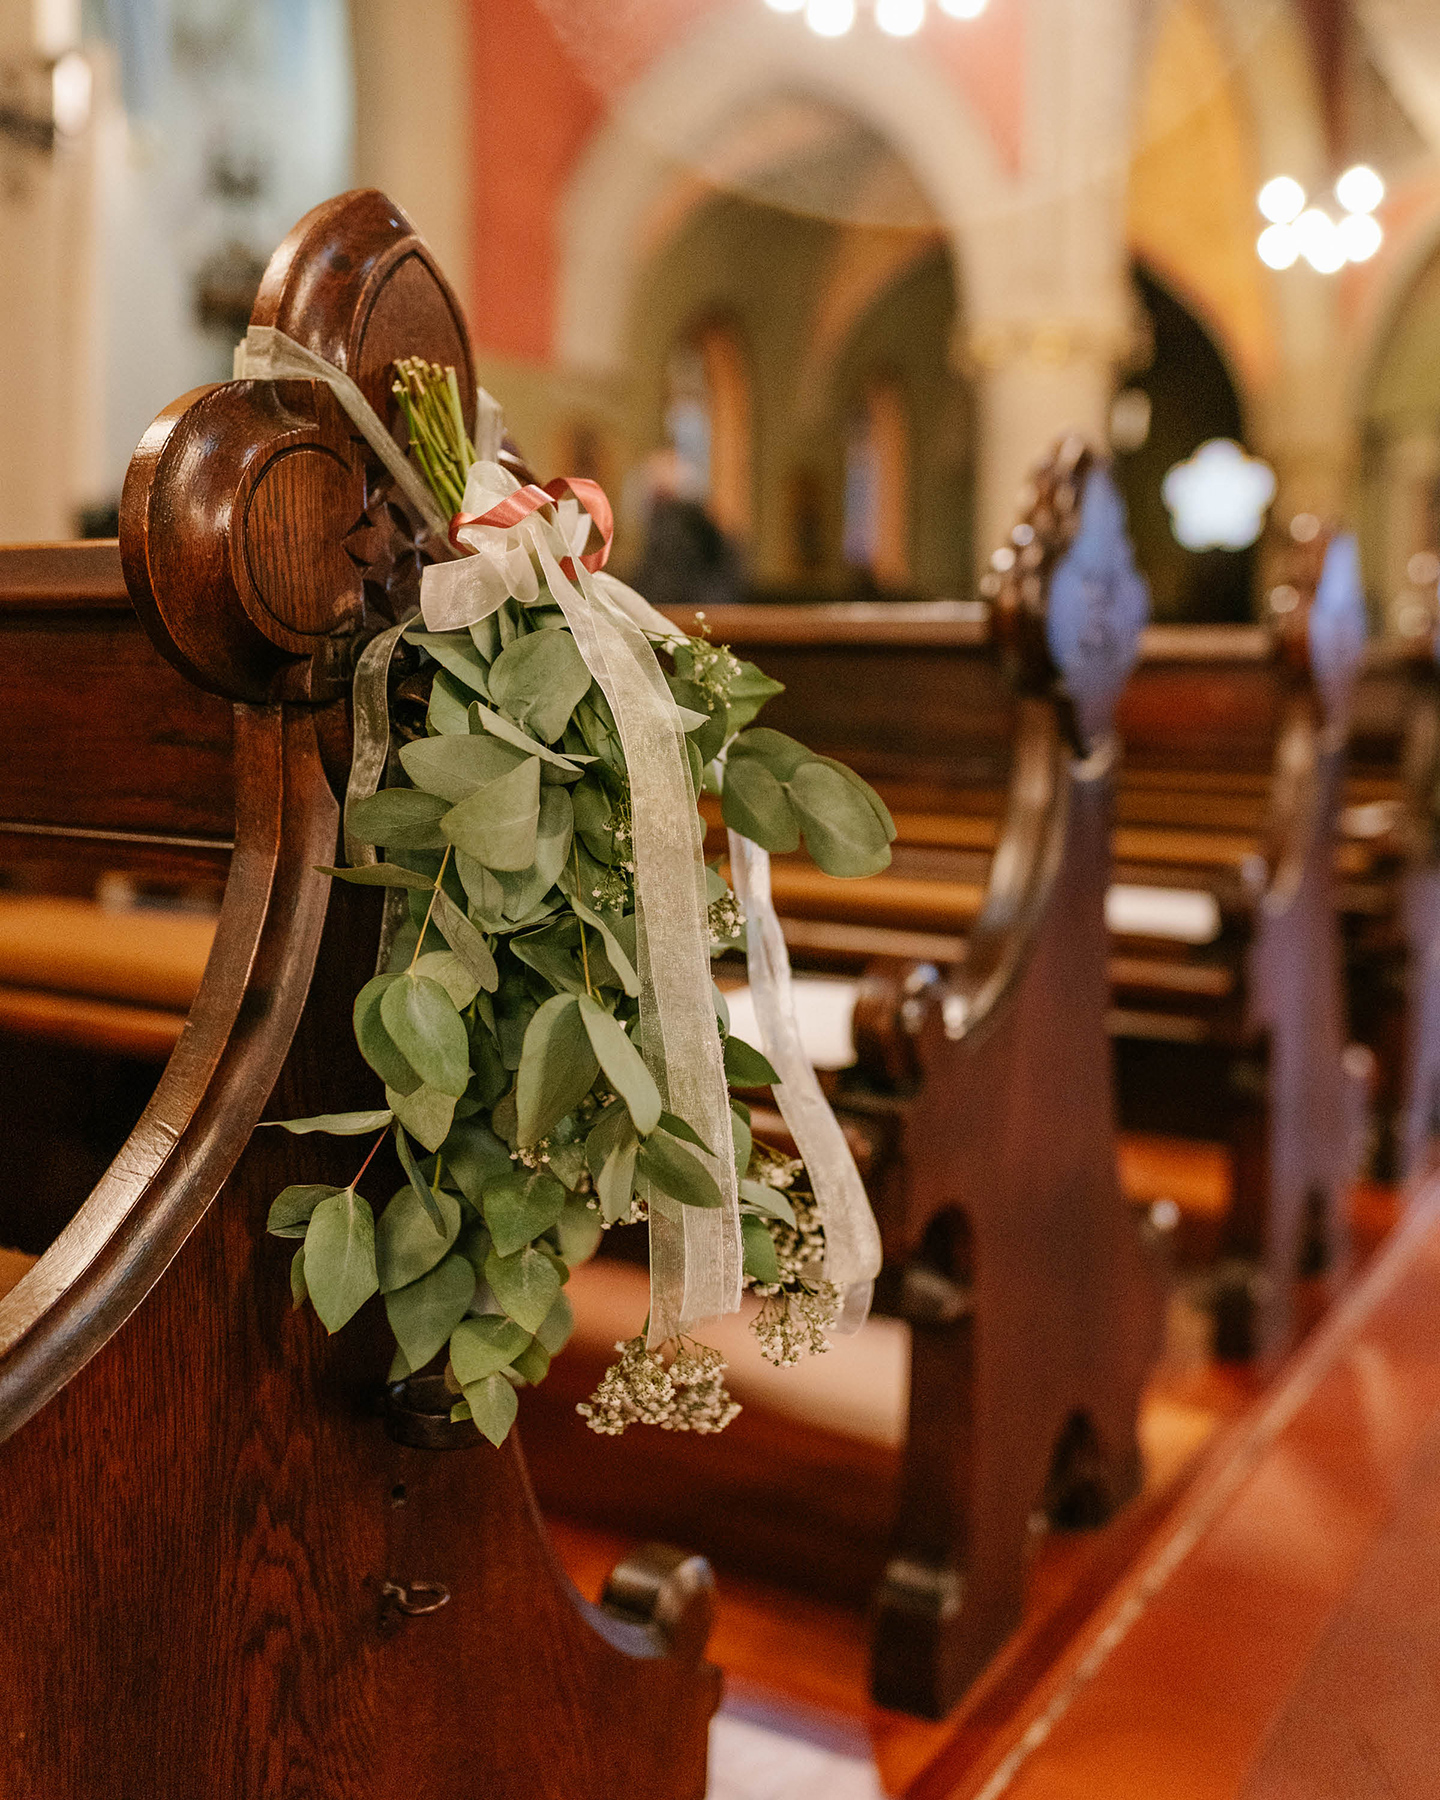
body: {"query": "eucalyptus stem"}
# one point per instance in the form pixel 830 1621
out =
pixel 434 896
pixel 369 1159
pixel 429 398
pixel 584 953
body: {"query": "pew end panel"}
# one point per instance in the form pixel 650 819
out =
pixel 210 1533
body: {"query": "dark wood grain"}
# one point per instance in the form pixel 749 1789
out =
pixel 205 1521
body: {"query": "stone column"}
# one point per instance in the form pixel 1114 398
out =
pixel 1046 273
pixel 414 90
pixel 47 338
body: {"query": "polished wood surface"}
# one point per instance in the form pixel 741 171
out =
pixel 209 1537
pixel 1272 1639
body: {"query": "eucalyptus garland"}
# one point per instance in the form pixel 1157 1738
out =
pixel 525 1119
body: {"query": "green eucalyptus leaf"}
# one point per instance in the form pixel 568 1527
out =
pixel 427 1030
pixel 455 655
pixel 524 889
pixel 754 803
pixel 766 1199
pixel 740 1130
pixel 484 1346
pixel 518 1206
pixel 843 833
pixel 493 1407
pixel 340 1257
pixel 386 874
pixel 749 690
pixel 678 1128
pixel 554 953
pixel 780 754
pixel 567 1162
pixel 449 711
pixel 540 680
pixel 423 1315
pixel 623 1065
pixel 299 1292
pixel 400 818
pixel 468 944
pixel 416 1178
pixel 676 1171
pixel 407 1244
pixel 352 1124
pixel 454 767
pixel 593 808
pixel 426 1114
pixel 745 1067
pixel 558 1323
pixel 615 1183
pixel 557 1068
pixel 482 890
pixel 291 1208
pixel 499 726
pixel 474 1156
pixel 376 1045
pixel 533 1362
pixel 578 1232
pixel 620 957
pixel 708 730
pixel 497 825
pixel 759 1251
pixel 861 786
pixel 525 1285
pixel 446 967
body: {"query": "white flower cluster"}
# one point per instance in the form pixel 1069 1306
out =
pixel 726 919
pixel 713 667
pixel 794 1322
pixel 638 1389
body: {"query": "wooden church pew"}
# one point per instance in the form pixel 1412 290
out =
pixel 982 1106
pixel 1227 814
pixel 225 1568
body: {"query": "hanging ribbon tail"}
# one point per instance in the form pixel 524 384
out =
pixel 695 1252
pixel 266 353
pixel 852 1238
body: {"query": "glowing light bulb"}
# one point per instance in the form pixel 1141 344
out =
pixel 830 18
pixel 72 86
pixel 1281 200
pixel 1360 190
pixel 900 18
pixel 1278 246
pixel 1319 239
pixel 1360 236
pixel 963 9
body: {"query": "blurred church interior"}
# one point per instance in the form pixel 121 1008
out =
pixel 812 289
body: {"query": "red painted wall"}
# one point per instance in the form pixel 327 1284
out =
pixel 544 72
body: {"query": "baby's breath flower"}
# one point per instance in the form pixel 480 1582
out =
pixel 794 1323
pixel 639 1390
pixel 726 919
pixel 636 1390
pixel 702 1402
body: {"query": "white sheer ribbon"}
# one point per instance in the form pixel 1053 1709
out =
pixel 852 1239
pixel 695 1253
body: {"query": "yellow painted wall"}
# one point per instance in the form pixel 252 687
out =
pixel 1191 208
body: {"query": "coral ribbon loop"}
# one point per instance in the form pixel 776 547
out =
pixel 530 499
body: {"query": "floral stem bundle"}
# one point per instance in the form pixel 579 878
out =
pixel 526 1100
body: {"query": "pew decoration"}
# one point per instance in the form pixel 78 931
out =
pixel 556 1058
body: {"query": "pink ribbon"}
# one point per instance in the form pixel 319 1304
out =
pixel 531 499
